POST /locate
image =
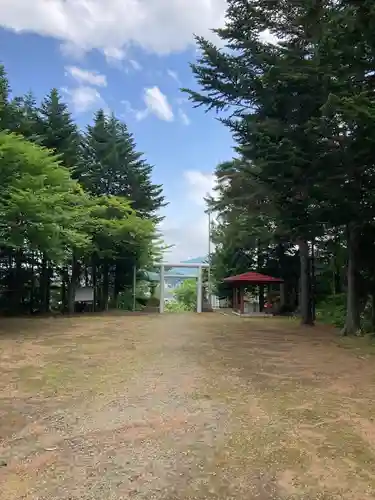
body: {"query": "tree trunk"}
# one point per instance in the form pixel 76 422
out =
pixel 71 293
pixel 48 288
pixel 117 286
pixel 313 281
pixel 64 295
pixel 338 288
pixel 105 294
pixel 373 311
pixel 87 282
pixel 73 284
pixel 32 284
pixel 295 295
pixel 94 282
pixel 305 295
pixel 17 286
pixel 44 285
pixel 333 280
pixel 283 302
pixel 260 264
pixel 353 320
pixel 261 298
pixel 337 281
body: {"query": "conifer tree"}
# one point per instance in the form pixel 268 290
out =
pixel 57 130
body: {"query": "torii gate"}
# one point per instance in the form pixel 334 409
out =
pixel 198 266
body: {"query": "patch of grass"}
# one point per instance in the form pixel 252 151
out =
pixel 48 379
pixel 342 441
pixel 363 345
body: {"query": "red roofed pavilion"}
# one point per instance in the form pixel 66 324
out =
pixel 252 277
pixel 239 283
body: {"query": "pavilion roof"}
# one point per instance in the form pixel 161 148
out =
pixel 252 277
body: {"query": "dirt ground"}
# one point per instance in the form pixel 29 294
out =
pixel 184 406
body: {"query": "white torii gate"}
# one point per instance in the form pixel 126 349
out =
pixel 198 266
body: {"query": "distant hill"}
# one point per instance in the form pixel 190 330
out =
pixel 186 270
pixel 182 271
pixel 197 260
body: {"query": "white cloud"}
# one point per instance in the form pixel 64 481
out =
pixel 184 117
pixel 135 65
pixel 114 56
pixel 174 76
pixel 70 50
pixel 114 53
pixel 130 66
pixel 200 184
pixel 159 26
pixel 128 107
pixel 84 98
pixel 157 104
pixel 141 114
pixel 86 76
pixel 189 236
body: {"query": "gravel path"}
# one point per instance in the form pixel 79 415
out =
pixel 179 407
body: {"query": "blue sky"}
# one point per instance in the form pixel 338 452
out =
pixel 131 57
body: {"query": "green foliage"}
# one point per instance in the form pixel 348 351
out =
pixel 74 209
pixel 39 203
pixel 125 302
pixel 176 307
pixel 56 130
pixel 26 120
pixel 186 294
pixel 5 108
pixel 302 112
pixel 110 168
pixel 111 165
pixel 114 224
pixel 332 310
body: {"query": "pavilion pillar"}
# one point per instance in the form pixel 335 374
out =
pixel 242 301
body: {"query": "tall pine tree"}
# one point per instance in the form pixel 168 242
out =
pixel 57 130
pixel 110 165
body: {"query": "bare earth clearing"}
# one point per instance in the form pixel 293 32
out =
pixel 185 406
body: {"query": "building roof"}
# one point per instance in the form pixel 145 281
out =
pixel 252 277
